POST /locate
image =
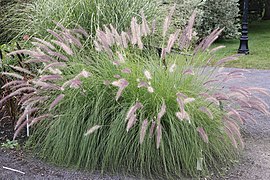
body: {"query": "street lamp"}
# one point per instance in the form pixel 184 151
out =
pixel 243 48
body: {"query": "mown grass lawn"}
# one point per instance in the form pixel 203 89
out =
pixel 259 46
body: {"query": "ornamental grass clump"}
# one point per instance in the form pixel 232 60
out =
pixel 129 107
pixel 33 18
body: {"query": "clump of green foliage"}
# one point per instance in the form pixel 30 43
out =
pixel 10 144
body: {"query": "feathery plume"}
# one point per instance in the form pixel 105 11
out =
pixel 12 83
pixel 40 118
pixel 55 64
pixel 167 21
pixel 59 55
pixel 24 51
pixel 45 85
pixel 205 43
pixel 109 36
pixel 172 68
pixel 85 74
pixel 150 89
pixel 179 115
pixel 21 70
pixel 120 57
pixel 225 60
pixel 56 101
pixel 147 74
pixel 50 77
pixel 203 134
pixel 231 136
pixel 106 82
pixel 73 39
pixel 48 44
pixel 153 26
pixel 183 116
pixel 22 117
pixel 26 96
pixel 131 121
pixel 34 99
pixel 20 86
pixel 259 90
pixel 145 27
pixel 159 135
pixel 142 84
pixel 117 76
pixel 216 49
pixel 163 53
pixel 171 41
pixel 186 36
pixel 181 95
pixel 92 129
pixel 188 100
pixel 65 47
pixel 75 83
pixel 37 61
pixel 116 36
pixel 234 113
pixel 13 75
pixel 55 71
pixel 207 112
pixel 234 128
pixel 152 128
pixel 133 109
pixel 180 104
pixel 97 46
pixel 19 129
pixel 143 130
pixel 220 96
pixel 81 31
pixel 134 30
pixel 57 36
pixel 42 47
pixel 188 71
pixel 58 24
pixel 126 70
pixel 122 84
pixel 124 39
pixel 161 112
pixel 210 81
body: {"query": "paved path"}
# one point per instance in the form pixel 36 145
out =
pixel 255 163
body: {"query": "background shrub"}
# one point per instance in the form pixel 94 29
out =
pixel 211 14
pixel 219 14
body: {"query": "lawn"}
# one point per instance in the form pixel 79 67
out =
pixel 259 47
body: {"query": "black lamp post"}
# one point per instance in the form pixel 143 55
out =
pixel 243 48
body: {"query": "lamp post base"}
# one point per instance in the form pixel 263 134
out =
pixel 243 49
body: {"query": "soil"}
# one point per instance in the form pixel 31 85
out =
pixel 254 163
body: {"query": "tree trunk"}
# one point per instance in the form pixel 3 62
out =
pixel 267 10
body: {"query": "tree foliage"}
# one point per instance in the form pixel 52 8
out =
pixel 211 14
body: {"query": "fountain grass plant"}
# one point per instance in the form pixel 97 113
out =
pixel 35 17
pixel 130 107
